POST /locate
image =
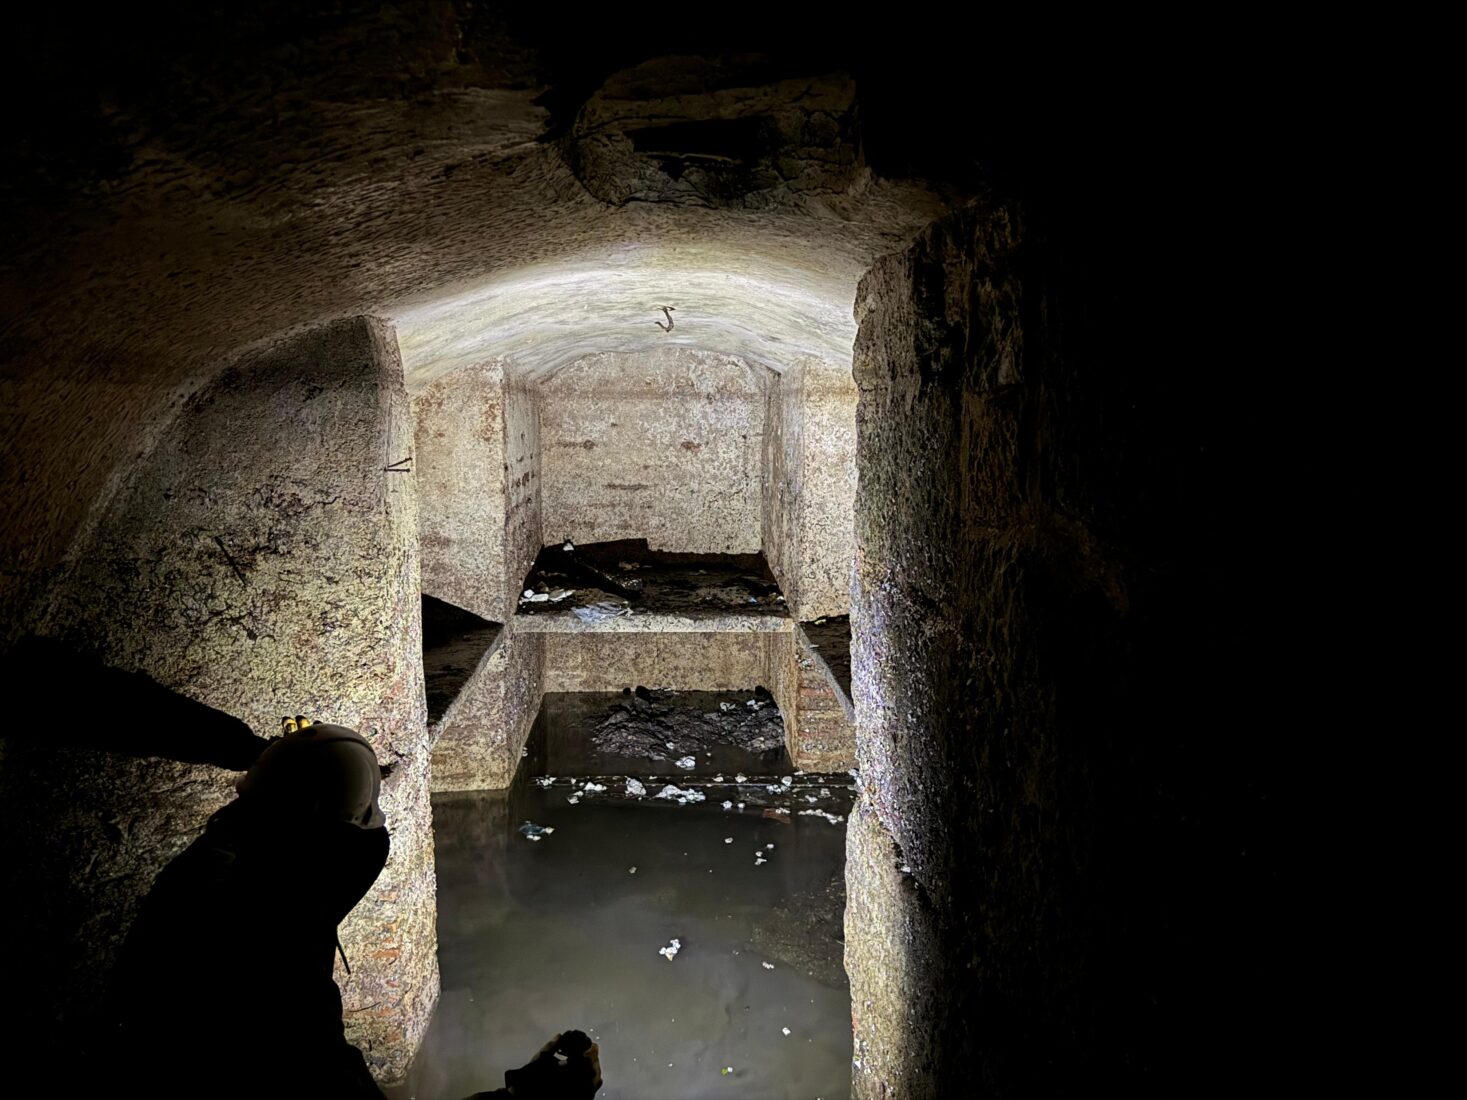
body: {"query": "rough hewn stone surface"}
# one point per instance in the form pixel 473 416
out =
pixel 683 661
pixel 665 446
pixel 459 465
pixel 263 562
pixel 1026 679
pixel 783 446
pixel 827 489
pixel 245 179
pixel 523 467
pixel 823 737
pixel 810 485
pixel 479 741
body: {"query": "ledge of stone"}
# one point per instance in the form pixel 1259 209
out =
pixel 655 622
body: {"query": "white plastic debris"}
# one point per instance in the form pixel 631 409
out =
pixel 592 788
pixel 741 805
pixel 824 792
pixel 834 819
pixel 568 547
pixel 726 707
pixel 811 798
pixel 767 966
pixel 527 594
pixel 537 597
pixel 598 612
pixel 671 950
pixel 686 763
pixel 635 788
pixel 788 780
pixel 784 1029
pixel 575 798
pixel 716 778
pixel 530 831
pixel 753 704
pixel 631 870
pixel 728 840
pixel 728 805
pixel 544 780
pixel 741 778
pixel 770 847
pixel 760 861
pixel 680 796
pixel 670 745
pixel 561 593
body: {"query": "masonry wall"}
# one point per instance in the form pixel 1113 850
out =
pixel 524 469
pixel 783 474
pixel 458 463
pixel 1053 855
pixel 666 446
pixel 260 561
pixel 827 531
pixel 707 661
pixel 487 726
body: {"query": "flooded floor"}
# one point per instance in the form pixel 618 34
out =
pixel 565 931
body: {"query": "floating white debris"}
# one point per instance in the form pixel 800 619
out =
pixel 527 594
pixel 767 966
pixel 728 805
pixel 716 778
pixel 671 950
pixel 671 746
pixel 726 707
pixel 741 805
pixel 811 798
pixel 788 780
pixel 824 792
pixel 575 798
pixel 591 788
pixel 530 831
pixel 681 796
pixel 741 778
pixel 784 1029
pixel 568 547
pixel 635 788
pixel 561 594
pixel 728 840
pixel 687 763
pixel 631 870
pixel 538 597
pixel 753 704
pixel 770 847
pixel 544 780
pixel 760 861
pixel 834 819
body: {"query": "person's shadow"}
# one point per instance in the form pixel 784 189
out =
pixel 97 794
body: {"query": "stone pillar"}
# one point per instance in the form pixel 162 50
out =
pixel 461 472
pixel 263 560
pixel 1009 929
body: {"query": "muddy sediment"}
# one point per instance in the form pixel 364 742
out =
pixel 626 574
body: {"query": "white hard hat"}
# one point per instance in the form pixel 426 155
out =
pixel 321 771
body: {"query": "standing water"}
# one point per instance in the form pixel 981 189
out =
pixel 694 933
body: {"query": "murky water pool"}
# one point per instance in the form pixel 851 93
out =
pixel 538 936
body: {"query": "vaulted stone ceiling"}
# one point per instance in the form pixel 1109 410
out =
pixel 192 185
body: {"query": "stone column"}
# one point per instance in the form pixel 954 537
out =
pixel 263 560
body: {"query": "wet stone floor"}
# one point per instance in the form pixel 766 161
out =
pixel 560 900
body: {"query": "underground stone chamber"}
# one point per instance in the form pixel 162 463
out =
pixel 592 424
